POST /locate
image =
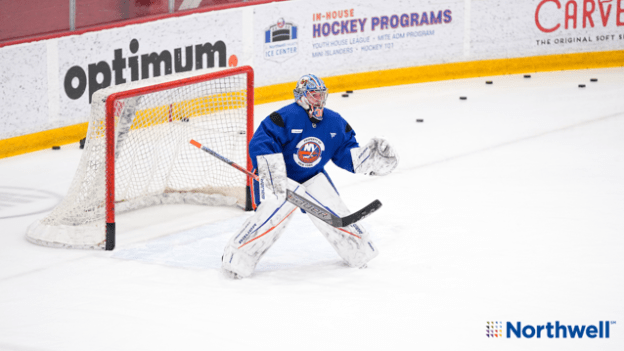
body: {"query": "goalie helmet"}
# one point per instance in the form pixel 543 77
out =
pixel 311 94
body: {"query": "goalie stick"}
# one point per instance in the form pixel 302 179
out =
pixel 303 203
pixel 231 163
pixel 328 217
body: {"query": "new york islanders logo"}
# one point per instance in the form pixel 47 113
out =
pixel 309 151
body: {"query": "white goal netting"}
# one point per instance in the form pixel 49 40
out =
pixel 154 163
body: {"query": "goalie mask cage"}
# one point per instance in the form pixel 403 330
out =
pixel 137 154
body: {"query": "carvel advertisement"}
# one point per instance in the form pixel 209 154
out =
pixel 503 29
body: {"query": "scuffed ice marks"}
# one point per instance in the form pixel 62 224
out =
pixel 300 245
pixel 198 248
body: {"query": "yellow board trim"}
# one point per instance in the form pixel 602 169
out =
pixel 448 71
pixel 42 140
pixel 189 109
pixel 357 81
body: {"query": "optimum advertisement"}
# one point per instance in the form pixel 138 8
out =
pixel 97 60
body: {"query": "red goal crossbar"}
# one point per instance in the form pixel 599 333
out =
pixel 110 132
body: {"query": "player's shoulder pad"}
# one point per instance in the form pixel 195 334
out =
pixel 277 119
pixel 337 119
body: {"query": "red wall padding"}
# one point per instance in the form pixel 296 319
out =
pixel 20 19
pixel 96 12
pixel 26 18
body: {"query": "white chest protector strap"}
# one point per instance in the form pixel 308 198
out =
pixel 377 157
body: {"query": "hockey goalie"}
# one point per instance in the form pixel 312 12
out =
pixel 289 151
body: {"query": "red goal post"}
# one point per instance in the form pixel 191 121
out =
pixel 138 147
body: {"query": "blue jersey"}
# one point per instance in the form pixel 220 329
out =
pixel 306 146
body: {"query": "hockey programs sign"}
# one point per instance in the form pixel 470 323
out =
pixel 337 37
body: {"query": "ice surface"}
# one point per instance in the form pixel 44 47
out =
pixel 506 206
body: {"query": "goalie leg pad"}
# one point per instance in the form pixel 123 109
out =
pixel 352 243
pixel 249 244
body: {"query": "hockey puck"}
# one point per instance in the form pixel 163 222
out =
pixel 463 98
pixel 488 82
pixel 349 91
pixel 581 85
pixel 82 142
pixel 593 80
pixel 527 76
pixel 345 95
pixel 56 147
pixel 419 120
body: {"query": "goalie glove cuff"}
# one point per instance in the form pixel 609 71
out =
pixel 272 174
pixel 377 157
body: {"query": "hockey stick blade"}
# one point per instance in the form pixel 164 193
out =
pixel 361 214
pixel 329 217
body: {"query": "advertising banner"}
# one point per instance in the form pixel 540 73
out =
pixel 49 84
pixel 337 37
pixel 505 29
pixel 97 60
pixel 24 93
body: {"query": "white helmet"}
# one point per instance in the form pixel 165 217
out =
pixel 311 94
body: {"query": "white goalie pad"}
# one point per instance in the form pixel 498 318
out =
pixel 264 228
pixel 246 248
pixel 352 243
pixel 272 174
pixel 377 157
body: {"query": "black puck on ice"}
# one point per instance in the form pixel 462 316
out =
pixel 419 120
pixel 56 147
pixel 581 85
pixel 345 95
pixel 488 82
pixel 593 80
pixel 349 91
pixel 463 98
pixel 527 76
pixel 82 142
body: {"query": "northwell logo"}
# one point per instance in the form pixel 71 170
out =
pixel 494 329
pixel 549 330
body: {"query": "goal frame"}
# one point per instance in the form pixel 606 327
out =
pixel 110 134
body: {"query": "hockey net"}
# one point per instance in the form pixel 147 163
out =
pixel 137 154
